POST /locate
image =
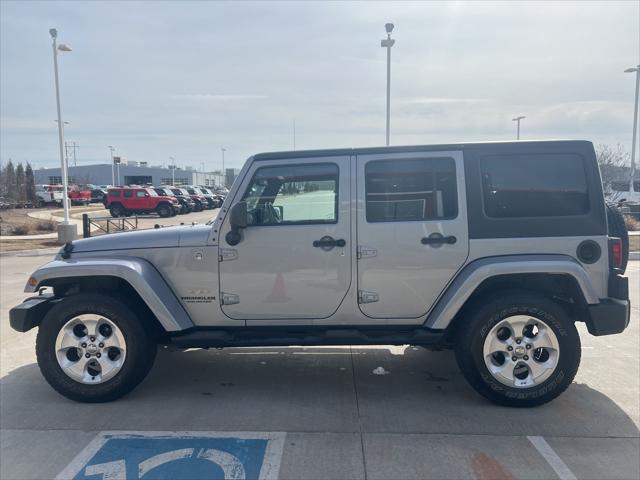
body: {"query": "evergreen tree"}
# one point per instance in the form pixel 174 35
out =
pixel 21 193
pixel 30 184
pixel 3 182
pixel 10 180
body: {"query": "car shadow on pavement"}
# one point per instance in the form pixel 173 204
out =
pixel 308 390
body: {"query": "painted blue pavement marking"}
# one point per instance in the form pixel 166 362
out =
pixel 178 456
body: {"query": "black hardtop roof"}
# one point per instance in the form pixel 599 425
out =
pixel 511 145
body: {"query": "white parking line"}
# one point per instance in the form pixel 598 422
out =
pixel 552 458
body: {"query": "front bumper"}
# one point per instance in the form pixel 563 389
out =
pixel 608 317
pixel 29 313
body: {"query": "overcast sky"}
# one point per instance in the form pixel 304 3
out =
pixel 183 79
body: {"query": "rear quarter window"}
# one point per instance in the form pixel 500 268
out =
pixel 534 185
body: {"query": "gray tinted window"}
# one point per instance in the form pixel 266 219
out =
pixel 534 185
pixel 411 190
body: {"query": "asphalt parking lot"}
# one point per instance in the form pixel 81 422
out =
pixel 316 413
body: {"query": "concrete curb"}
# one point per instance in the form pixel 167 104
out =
pixel 38 252
pixel 634 255
pixel 42 236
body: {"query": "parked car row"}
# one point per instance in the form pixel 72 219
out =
pixel 51 195
pixel 165 200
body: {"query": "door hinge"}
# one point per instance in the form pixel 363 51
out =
pixel 367 297
pixel 365 252
pixel 229 298
pixel 228 254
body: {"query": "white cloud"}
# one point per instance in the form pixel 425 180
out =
pixel 209 97
pixel 444 100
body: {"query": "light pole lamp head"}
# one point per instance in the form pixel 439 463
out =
pixel 53 32
pixel 632 70
pixel 64 47
pixel 517 119
pixel 388 27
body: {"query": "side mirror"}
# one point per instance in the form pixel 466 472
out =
pixel 147 195
pixel 238 221
pixel 238 215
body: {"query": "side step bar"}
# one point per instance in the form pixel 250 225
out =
pixel 286 336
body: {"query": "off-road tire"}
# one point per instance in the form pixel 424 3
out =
pixel 117 210
pixel 617 228
pixel 163 210
pixel 483 315
pixel 141 348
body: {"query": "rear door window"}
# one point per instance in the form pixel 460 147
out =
pixel 548 185
pixel 411 190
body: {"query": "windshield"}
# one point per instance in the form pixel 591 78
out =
pixel 151 192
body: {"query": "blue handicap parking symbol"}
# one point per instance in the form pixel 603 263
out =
pixel 178 456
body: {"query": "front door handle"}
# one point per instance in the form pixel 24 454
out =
pixel 327 243
pixel 438 239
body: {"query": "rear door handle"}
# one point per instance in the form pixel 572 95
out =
pixel 327 243
pixel 438 239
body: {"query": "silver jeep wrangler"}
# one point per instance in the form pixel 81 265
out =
pixel 492 249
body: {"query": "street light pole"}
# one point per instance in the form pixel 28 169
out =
pixel 113 167
pixel 63 165
pixel 388 43
pixel 635 130
pixel 75 148
pixel 224 176
pixel 517 119
pixel 173 171
pixel 66 232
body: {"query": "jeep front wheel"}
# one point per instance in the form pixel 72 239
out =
pixel 518 349
pixel 116 210
pixel 93 348
pixel 163 210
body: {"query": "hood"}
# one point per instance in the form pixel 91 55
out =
pixel 165 237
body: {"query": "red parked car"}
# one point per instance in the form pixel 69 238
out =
pixel 125 201
pixel 78 195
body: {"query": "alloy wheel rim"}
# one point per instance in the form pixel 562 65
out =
pixel 90 349
pixel 521 351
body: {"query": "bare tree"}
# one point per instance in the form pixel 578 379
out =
pixel 612 161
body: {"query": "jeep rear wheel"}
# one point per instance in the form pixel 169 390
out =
pixel 93 348
pixel 518 349
pixel 164 210
pixel 116 210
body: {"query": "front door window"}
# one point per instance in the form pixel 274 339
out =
pixel 293 195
